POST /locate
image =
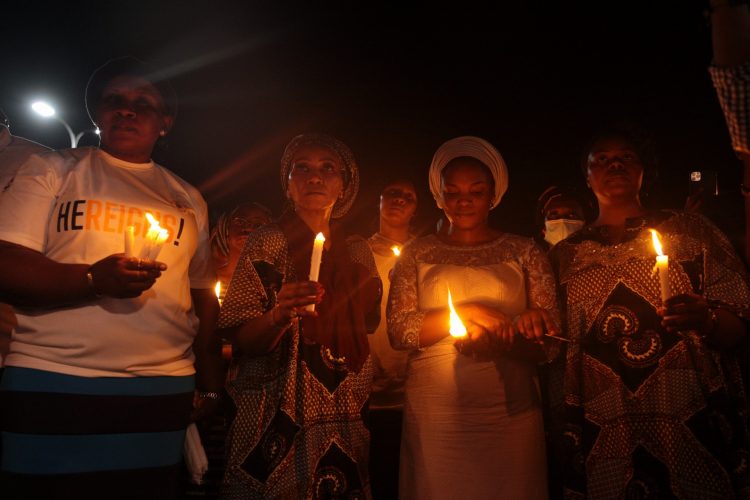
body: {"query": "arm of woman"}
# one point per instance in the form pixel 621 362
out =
pixel 542 315
pixel 262 334
pixel 408 327
pixel 29 279
pixel 690 311
pixel 717 313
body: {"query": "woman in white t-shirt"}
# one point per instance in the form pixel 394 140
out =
pixel 99 381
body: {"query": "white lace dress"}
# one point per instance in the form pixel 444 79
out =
pixel 472 428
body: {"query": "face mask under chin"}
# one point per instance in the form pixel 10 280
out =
pixel 559 229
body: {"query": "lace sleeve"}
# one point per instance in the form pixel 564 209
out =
pixel 542 292
pixel 726 279
pixel 403 314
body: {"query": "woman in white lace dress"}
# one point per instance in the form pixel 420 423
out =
pixel 472 415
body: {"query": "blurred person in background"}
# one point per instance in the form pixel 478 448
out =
pixel 398 205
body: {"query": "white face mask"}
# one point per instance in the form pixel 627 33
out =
pixel 559 229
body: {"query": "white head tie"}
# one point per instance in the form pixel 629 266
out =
pixel 473 147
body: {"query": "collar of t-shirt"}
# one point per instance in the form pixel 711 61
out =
pixel 125 164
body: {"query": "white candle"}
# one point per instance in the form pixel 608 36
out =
pixel 662 267
pixel 155 238
pixel 129 241
pixel 317 257
pixel 161 237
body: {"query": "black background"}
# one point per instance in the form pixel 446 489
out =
pixel 393 80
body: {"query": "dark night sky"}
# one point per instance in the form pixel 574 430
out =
pixel 393 81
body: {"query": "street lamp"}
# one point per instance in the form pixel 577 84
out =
pixel 46 110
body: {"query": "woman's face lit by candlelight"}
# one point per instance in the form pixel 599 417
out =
pixel 398 203
pixel 131 117
pixel 614 169
pixel 468 189
pixel 316 179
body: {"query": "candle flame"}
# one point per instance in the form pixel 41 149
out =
pixel 457 328
pixel 319 237
pixel 156 233
pixel 396 250
pixel 217 289
pixel 657 242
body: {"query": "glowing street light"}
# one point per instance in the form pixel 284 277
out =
pixel 43 109
pixel 46 110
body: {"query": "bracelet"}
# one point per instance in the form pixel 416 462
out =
pixel 92 287
pixel 209 395
pixel 744 190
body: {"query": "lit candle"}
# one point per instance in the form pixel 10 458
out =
pixel 662 266
pixel 396 250
pixel 317 257
pixel 217 289
pixel 457 328
pixel 155 238
pixel 129 241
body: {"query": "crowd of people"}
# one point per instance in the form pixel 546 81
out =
pixel 336 363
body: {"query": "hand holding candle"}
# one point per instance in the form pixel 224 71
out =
pixel 662 267
pixel 315 260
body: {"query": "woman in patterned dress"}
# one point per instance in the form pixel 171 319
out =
pixel 303 376
pixel 653 401
pixel 472 419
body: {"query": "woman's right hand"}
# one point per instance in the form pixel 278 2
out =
pixel 124 277
pixel 292 299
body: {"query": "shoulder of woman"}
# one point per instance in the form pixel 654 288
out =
pixel 687 222
pixel 269 236
pixel 521 243
pixel 53 164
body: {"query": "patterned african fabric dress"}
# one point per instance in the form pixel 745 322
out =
pixel 472 427
pixel 299 430
pixel 649 413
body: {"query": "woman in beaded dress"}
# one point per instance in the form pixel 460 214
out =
pixel 303 376
pixel 653 404
pixel 472 419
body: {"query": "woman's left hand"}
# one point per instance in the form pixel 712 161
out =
pixel 687 311
pixel 534 324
